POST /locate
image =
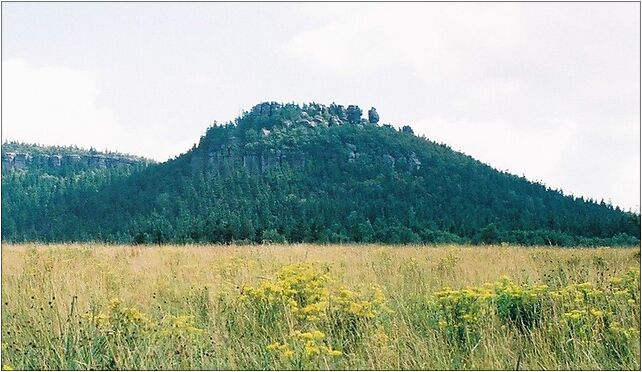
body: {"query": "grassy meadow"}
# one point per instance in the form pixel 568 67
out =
pixel 91 306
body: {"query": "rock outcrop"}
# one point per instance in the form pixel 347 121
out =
pixel 227 158
pixel 373 116
pixel 12 161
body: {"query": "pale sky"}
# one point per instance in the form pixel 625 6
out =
pixel 547 90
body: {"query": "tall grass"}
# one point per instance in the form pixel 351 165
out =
pixel 319 307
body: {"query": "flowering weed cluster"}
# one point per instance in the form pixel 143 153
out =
pixel 579 314
pixel 323 318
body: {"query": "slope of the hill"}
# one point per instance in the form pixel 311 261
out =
pixel 319 174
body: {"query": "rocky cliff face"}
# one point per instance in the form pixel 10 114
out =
pixel 228 157
pixel 12 161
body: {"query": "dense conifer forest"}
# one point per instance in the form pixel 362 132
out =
pixel 291 173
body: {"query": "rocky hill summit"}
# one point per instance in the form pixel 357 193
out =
pixel 272 135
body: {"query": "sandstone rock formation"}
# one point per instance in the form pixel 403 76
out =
pixel 373 116
pixel 12 161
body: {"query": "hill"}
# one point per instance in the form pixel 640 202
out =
pixel 314 173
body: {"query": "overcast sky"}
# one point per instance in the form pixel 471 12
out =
pixel 548 90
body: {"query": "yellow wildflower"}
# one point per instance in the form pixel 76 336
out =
pixel 597 313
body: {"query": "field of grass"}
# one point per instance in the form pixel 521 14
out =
pixel 319 307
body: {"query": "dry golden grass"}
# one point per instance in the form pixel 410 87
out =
pixel 45 287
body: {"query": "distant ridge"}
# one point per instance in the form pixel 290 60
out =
pixel 18 156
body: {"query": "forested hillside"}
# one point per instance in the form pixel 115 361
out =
pixel 309 173
pixel 40 185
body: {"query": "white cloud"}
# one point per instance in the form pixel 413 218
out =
pixel 55 106
pixel 436 41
